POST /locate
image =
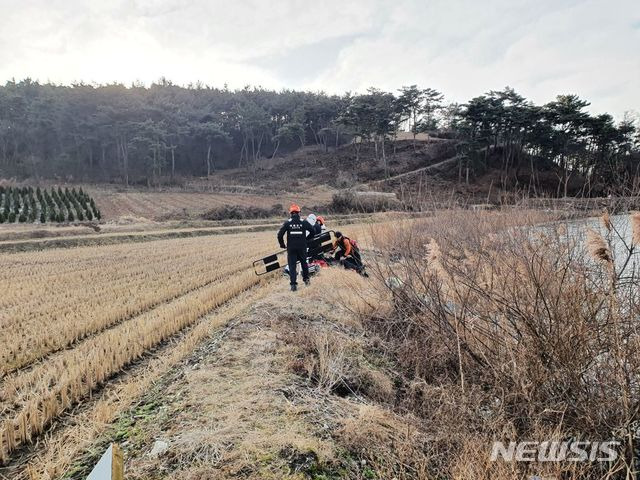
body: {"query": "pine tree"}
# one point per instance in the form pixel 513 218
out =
pixel 89 215
pixel 43 217
pixel 70 217
pixel 52 216
pixel 1 217
pixel 22 218
pixel 98 214
pixel 80 216
pixel 12 217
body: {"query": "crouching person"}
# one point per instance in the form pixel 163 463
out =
pixel 296 231
pixel 348 254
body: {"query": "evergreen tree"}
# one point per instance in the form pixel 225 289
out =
pixel 70 217
pixel 22 218
pixel 12 217
pixel 1 217
pixel 43 217
pixel 89 215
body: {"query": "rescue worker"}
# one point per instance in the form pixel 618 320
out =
pixel 313 221
pixel 348 254
pixel 320 221
pixel 296 230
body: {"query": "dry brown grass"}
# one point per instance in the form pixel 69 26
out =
pixel 236 413
pixel 508 331
pixel 387 442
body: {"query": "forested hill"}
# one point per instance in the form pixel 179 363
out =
pixel 138 135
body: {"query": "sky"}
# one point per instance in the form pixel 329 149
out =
pixel 463 48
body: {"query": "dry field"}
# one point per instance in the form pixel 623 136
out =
pixel 71 319
pixel 158 205
pixel 78 322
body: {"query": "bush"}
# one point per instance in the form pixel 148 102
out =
pixel 236 212
pixel 350 201
pixel 512 333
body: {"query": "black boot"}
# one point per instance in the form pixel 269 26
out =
pixel 294 287
pixel 307 282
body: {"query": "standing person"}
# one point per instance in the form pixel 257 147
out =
pixel 320 221
pixel 296 230
pixel 313 221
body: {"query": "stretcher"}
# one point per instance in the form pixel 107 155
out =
pixel 318 245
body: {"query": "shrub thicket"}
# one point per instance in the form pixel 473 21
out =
pixel 506 330
pixel 350 201
pixel 236 212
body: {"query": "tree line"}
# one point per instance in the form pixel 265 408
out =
pixel 136 134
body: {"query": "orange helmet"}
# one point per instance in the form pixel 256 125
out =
pixel 294 208
pixel 320 220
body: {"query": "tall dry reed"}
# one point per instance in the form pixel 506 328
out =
pixel 507 329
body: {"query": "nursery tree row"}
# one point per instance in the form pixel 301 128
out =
pixel 56 205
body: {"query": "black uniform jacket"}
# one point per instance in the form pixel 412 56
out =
pixel 296 231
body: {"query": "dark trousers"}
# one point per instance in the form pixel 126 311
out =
pixel 294 256
pixel 353 262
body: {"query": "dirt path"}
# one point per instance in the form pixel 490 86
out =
pixel 229 414
pixel 421 170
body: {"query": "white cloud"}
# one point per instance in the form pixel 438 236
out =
pixel 462 47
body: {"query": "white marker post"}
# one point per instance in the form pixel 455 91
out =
pixel 110 466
